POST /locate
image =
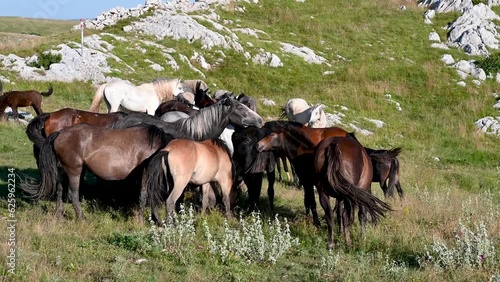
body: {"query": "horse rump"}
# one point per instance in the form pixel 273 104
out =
pixel 355 196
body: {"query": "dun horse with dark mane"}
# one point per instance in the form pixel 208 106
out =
pixel 15 99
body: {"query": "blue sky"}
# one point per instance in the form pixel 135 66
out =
pixel 61 9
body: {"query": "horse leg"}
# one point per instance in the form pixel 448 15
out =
pixel 15 113
pixel 254 187
pixel 62 178
pixel 74 186
pixel 179 186
pixel 278 167
pixel 324 200
pixel 226 185
pixel 310 203
pixel 38 109
pixel 271 178
pixel 338 211
pixel 208 196
pixel 346 211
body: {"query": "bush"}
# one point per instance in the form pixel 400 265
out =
pixel 45 59
pixel 491 64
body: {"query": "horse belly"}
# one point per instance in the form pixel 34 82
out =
pixel 140 103
pixel 109 166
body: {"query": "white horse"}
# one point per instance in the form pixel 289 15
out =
pixel 298 110
pixel 143 98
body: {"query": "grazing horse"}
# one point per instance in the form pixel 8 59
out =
pixel 386 170
pixel 343 170
pixel 298 142
pixel 208 123
pixel 298 110
pixel 174 105
pixel 15 99
pixel 185 161
pixel 144 98
pixel 110 154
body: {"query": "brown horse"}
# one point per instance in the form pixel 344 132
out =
pixel 386 170
pixel 298 142
pixel 174 105
pixel 15 99
pixel 43 125
pixel 110 154
pixel 185 161
pixel 343 170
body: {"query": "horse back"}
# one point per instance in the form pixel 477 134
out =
pixel 22 98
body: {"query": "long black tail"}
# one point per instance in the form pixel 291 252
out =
pixel 47 166
pixel 35 128
pixel 49 92
pixel 157 183
pixel 352 194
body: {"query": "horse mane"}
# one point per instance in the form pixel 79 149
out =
pixel 162 87
pixel 155 133
pixel 208 123
pixel 298 134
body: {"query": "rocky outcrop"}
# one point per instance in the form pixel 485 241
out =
pixel 474 31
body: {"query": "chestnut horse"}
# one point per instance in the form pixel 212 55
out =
pixel 110 154
pixel 298 142
pixel 15 99
pixel 343 170
pixel 185 161
pixel 43 125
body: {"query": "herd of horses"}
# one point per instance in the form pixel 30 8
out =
pixel 173 134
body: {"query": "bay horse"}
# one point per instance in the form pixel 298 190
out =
pixel 15 99
pixel 298 110
pixel 185 161
pixel 343 170
pixel 110 154
pixel 174 105
pixel 143 98
pixel 42 126
pixel 298 142
pixel 207 123
pixel 386 170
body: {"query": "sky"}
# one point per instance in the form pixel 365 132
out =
pixel 61 9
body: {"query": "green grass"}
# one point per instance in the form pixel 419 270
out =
pixel 444 162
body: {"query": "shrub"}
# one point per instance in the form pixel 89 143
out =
pixel 491 64
pixel 252 243
pixel 45 59
pixel 473 249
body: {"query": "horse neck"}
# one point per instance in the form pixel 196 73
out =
pixel 163 90
pixel 297 143
pixel 208 123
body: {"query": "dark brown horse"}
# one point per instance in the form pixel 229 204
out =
pixel 174 105
pixel 185 161
pixel 343 170
pixel 15 99
pixel 43 125
pixel 386 170
pixel 110 154
pixel 298 142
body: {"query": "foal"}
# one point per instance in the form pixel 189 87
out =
pixel 185 161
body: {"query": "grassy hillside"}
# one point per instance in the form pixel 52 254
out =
pixel 18 33
pixel 450 173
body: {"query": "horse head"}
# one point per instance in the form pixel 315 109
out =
pixel 241 114
pixel 318 117
pixel 187 98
